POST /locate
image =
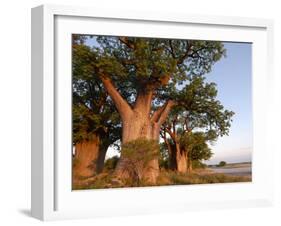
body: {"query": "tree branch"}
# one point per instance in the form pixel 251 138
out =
pixel 172 134
pixel 121 104
pixel 160 115
pixel 80 100
pixel 169 146
pixel 166 110
pixel 157 113
pixel 185 55
pixel 125 41
pixel 174 129
pixel 172 49
pixel 124 61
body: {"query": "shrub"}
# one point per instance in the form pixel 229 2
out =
pixel 164 164
pixel 196 164
pixel 221 164
pixel 138 154
pixel 111 163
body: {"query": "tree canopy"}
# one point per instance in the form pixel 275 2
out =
pixel 163 65
pixel 142 86
pixel 93 110
pixel 198 120
pixel 196 146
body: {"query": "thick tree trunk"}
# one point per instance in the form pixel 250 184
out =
pixel 136 126
pixel 152 170
pixel 100 159
pixel 178 159
pixel 172 157
pixel 85 163
pixel 138 123
pixel 181 162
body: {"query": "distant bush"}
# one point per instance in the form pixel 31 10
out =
pixel 221 164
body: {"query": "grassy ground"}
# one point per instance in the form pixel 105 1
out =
pixel 105 180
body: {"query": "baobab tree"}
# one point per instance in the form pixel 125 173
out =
pixel 196 148
pixel 96 124
pixel 151 71
pixel 198 118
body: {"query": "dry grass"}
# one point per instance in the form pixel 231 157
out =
pixel 105 180
pixel 201 177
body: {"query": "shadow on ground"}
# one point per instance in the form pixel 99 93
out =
pixel 25 212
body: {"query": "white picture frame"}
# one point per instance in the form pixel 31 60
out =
pixel 52 197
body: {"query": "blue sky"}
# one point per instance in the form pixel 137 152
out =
pixel 233 75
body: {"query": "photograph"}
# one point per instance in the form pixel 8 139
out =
pixel 151 111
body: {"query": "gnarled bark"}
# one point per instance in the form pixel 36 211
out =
pixel 177 155
pixel 88 159
pixel 137 123
pixel 100 159
pixel 173 159
pixel 178 159
pixel 181 161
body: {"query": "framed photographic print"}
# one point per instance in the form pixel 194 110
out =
pixel 137 112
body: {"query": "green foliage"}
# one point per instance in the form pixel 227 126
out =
pixel 93 112
pixel 198 108
pixel 110 164
pixel 172 69
pixel 164 64
pixel 163 157
pixel 196 146
pixel 197 164
pixel 198 119
pixel 140 148
pixel 137 154
pixel 221 164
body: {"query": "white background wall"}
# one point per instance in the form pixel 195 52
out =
pixel 15 112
